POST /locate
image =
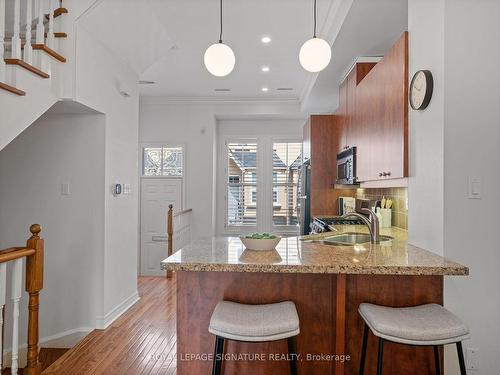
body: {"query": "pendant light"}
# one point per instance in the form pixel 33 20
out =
pixel 219 57
pixel 315 54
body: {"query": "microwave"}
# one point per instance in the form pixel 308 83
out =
pixel 346 167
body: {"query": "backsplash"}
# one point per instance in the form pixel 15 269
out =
pixel 399 196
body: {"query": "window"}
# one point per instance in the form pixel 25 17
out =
pixel 254 189
pixel 241 197
pixel 275 189
pixel 162 161
pixel 287 157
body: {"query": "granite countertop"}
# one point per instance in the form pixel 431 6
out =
pixel 308 255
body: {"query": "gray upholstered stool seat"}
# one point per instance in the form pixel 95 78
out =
pixel 429 324
pixel 254 323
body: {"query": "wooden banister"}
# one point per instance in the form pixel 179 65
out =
pixel 15 253
pixel 170 234
pixel 34 283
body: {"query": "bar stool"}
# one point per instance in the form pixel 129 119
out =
pixel 424 325
pixel 254 323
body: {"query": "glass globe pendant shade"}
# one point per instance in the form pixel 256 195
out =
pixel 219 59
pixel 315 55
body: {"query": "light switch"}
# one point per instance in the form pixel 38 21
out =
pixel 475 187
pixel 126 188
pixel 65 189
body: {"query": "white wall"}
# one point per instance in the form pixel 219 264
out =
pixel 194 127
pixel 455 138
pixel 58 149
pixel 425 185
pixel 193 124
pixel 97 79
pixel 471 139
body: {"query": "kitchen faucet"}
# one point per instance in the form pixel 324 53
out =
pixel 372 223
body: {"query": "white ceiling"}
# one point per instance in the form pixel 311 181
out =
pixel 164 41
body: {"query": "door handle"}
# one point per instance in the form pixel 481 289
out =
pixel 159 238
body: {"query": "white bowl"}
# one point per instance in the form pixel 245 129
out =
pixel 260 244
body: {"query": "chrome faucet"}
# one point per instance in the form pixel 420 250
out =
pixel 372 223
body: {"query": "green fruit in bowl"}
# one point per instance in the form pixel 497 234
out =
pixel 261 236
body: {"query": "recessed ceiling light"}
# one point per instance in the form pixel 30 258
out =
pixel 265 89
pixel 265 69
pixel 265 39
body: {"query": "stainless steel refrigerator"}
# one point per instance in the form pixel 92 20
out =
pixel 304 197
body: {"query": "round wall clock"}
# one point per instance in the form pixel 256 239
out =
pixel 421 88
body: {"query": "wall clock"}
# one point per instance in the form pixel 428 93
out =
pixel 421 87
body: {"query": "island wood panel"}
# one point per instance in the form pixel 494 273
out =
pixel 381 117
pixel 329 321
pixel 199 292
pixel 395 291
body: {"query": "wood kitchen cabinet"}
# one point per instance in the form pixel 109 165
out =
pixel 320 144
pixel 341 117
pixel 347 105
pixel 381 117
pixel 373 115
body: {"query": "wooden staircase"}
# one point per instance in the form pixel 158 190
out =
pixel 19 51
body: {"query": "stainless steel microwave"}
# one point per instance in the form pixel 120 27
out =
pixel 346 167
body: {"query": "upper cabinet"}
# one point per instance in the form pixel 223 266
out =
pixel 373 115
pixel 347 105
pixel 382 116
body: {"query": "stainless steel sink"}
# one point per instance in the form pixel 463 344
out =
pixel 349 239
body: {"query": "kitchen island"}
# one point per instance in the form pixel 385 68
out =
pixel 327 284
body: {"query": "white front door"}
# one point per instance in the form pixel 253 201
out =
pixel 156 195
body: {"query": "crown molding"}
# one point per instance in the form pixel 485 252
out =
pixel 158 100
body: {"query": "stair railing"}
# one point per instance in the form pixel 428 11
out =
pixel 14 258
pixel 178 230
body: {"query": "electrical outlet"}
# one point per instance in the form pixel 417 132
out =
pixel 475 187
pixel 472 359
pixel 65 189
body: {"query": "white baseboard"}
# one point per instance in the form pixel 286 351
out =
pixel 103 322
pixel 65 339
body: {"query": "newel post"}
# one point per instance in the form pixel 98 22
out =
pixel 170 233
pixel 34 283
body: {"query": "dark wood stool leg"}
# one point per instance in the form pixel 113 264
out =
pixel 218 354
pixel 380 355
pixel 461 358
pixel 292 352
pixel 363 351
pixel 436 360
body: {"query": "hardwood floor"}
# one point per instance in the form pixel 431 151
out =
pixel 141 341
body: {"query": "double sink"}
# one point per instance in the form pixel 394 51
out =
pixel 350 239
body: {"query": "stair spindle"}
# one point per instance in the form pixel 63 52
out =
pixel 16 39
pixel 3 290
pixel 2 46
pixel 17 281
pixel 50 33
pixel 28 51
pixel 40 28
